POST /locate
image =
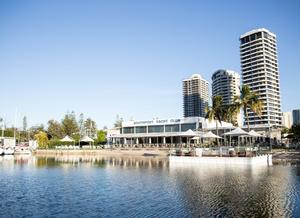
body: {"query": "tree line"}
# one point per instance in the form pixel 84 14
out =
pixel 51 135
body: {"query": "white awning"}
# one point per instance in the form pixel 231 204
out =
pixel 254 134
pixel 188 133
pixel 237 132
pixel 86 139
pixel 67 139
pixel 195 138
pixel 210 135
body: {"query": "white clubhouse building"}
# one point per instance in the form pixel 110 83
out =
pixel 163 132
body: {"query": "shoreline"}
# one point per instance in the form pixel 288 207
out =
pixel 279 157
pixel 286 157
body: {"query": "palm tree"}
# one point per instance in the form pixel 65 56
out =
pixel 215 112
pixel 249 100
pixel 229 113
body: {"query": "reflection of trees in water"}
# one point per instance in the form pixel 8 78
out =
pixel 46 162
pixel 201 191
pixel 101 161
pixel 232 192
pixel 144 162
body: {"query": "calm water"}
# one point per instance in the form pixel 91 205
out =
pixel 143 187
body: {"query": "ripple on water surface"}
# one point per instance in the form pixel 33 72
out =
pixel 71 186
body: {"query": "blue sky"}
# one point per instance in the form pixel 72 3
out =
pixel 104 58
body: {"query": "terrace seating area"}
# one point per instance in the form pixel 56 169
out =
pixel 76 147
pixel 160 145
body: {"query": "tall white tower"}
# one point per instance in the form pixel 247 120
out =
pixel 258 53
pixel 226 83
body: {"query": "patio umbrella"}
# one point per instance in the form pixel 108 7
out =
pixel 188 133
pixel 86 139
pixel 196 138
pixel 210 135
pixel 67 139
pixel 236 132
pixel 254 134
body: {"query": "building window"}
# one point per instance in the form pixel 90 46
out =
pixel 155 129
pixel 140 129
pixel 127 130
pixel 187 126
pixel 172 128
pixel 258 35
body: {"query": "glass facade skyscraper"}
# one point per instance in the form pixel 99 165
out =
pixel 296 116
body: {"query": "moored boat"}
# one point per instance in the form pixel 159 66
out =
pixel 1 151
pixel 9 151
pixel 22 151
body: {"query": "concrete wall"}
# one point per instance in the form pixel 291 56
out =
pixel 259 160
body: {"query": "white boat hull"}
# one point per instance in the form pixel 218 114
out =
pixel 1 151
pixel 9 151
pixel 23 152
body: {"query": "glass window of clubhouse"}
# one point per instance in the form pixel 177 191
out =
pixel 161 128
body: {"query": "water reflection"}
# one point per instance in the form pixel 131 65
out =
pixel 20 160
pixel 244 191
pixel 145 186
pixel 86 160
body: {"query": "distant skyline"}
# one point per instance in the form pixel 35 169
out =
pixel 104 58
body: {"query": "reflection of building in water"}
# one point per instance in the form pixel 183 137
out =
pixel 102 161
pixel 138 162
pixel 228 191
pixel 11 160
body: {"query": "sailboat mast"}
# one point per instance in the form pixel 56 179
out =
pixel 15 124
pixel 3 128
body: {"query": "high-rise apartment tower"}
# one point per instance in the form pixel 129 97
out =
pixel 287 119
pixel 296 116
pixel 226 83
pixel 258 53
pixel 195 96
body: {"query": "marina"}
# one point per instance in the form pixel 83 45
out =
pixel 149 109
